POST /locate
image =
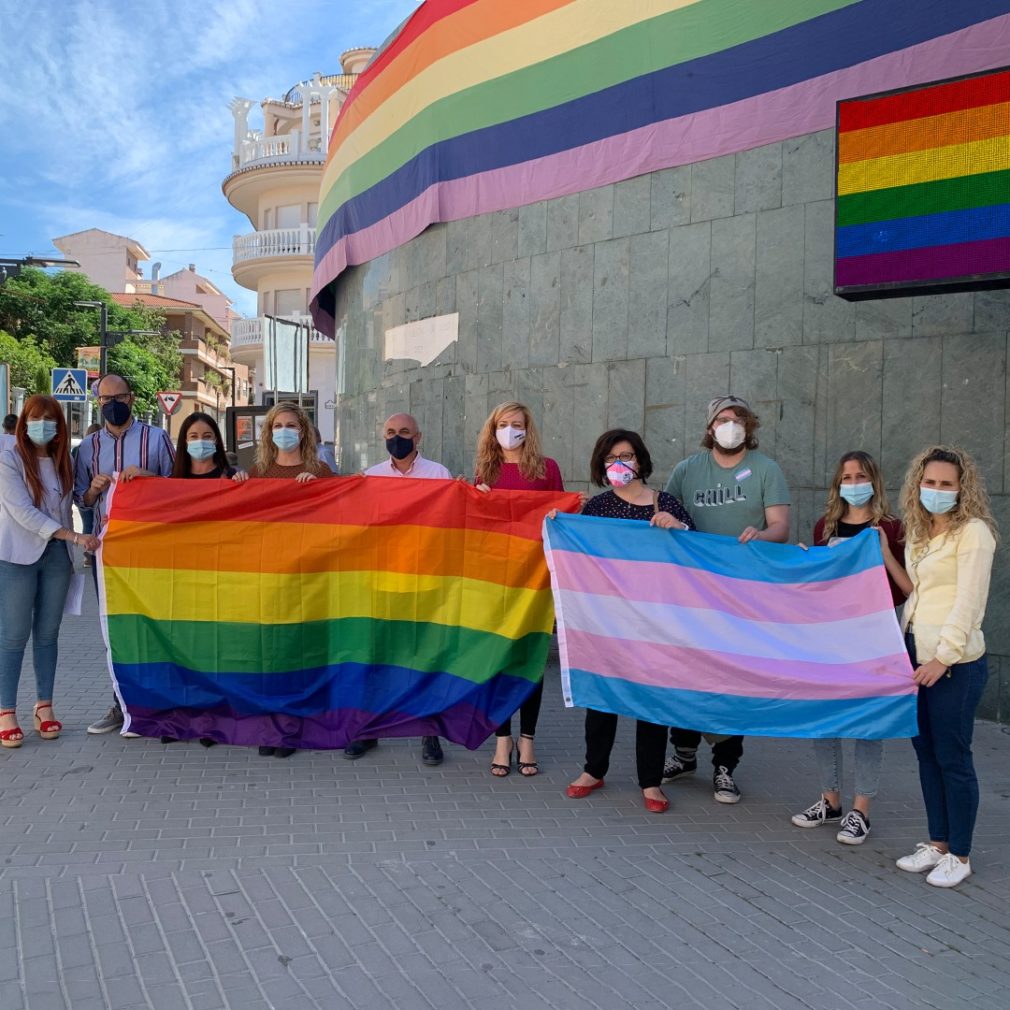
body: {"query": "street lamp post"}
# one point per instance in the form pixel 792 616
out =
pixel 103 331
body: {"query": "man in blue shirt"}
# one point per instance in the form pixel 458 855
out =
pixel 123 446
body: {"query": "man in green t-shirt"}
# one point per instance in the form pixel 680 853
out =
pixel 735 491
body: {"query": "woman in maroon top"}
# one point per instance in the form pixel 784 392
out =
pixel 509 459
pixel 856 501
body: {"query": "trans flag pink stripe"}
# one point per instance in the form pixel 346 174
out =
pixel 755 639
pixel 720 672
pixel 648 582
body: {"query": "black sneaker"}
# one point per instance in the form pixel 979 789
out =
pixel 724 787
pixel 356 748
pixel 431 750
pixel 678 766
pixel 855 828
pixel 819 813
pixel 283 752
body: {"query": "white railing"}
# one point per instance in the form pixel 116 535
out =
pixel 299 241
pixel 288 147
pixel 249 332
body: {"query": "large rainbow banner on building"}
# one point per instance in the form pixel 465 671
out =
pixel 924 188
pixel 476 106
pixel 309 615
pixel 689 629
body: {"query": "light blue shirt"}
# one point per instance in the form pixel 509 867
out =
pixel 102 452
pixel 27 528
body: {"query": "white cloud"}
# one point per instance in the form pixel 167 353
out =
pixel 116 116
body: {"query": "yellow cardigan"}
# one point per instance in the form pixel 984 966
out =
pixel 950 586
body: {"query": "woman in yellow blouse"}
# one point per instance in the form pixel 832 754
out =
pixel 950 539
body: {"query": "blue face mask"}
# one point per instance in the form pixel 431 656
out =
pixel 937 502
pixel 856 494
pixel 201 449
pixel 41 432
pixel 286 439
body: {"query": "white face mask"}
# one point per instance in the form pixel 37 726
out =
pixel 730 434
pixel 510 437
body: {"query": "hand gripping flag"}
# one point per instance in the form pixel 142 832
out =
pixel 309 615
pixel 694 630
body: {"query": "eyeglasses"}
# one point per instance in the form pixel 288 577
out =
pixel 624 457
pixel 116 398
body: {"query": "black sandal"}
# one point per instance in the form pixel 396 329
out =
pixel 523 765
pixel 499 771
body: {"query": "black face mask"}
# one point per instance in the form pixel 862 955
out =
pixel 399 447
pixel 116 413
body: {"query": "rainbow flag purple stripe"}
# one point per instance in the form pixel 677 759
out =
pixel 688 629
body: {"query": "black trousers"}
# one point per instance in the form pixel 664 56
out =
pixel 529 713
pixel 650 747
pixel 726 753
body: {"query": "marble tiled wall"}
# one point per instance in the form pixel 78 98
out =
pixel 635 303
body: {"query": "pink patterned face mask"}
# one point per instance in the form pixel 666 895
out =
pixel 620 473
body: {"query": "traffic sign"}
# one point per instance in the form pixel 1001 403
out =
pixel 70 385
pixel 170 402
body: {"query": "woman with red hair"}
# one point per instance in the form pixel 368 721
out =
pixel 36 530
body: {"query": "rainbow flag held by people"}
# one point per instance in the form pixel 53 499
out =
pixel 695 630
pixel 309 615
pixel 474 106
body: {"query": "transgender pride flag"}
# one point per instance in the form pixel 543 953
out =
pixel 694 630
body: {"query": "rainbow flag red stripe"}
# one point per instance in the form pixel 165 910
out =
pixel 311 615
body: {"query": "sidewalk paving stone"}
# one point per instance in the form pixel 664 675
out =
pixel 173 877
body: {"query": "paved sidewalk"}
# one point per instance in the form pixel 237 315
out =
pixel 137 875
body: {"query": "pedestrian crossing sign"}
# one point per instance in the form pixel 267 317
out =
pixel 70 385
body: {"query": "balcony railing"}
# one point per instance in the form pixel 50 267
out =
pixel 299 241
pixel 286 148
pixel 252 332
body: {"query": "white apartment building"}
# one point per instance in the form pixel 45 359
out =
pixel 274 181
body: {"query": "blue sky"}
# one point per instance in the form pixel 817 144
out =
pixel 116 115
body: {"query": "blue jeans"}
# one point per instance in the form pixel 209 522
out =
pixel 31 603
pixel 867 765
pixel 943 747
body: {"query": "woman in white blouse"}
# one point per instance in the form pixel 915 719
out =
pixel 950 540
pixel 36 530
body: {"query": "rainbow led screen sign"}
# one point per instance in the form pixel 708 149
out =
pixel 923 189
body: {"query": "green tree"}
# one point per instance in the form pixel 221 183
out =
pixel 38 308
pixel 28 362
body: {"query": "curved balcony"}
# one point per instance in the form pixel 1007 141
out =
pixel 248 336
pixel 276 242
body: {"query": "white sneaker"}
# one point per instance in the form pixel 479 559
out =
pixel 925 857
pixel 949 872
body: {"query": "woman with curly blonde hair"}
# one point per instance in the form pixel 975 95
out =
pixel 950 542
pixel 288 446
pixel 509 458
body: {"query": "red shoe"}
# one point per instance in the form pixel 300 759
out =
pixel 656 806
pixel 48 729
pixel 11 737
pixel 575 792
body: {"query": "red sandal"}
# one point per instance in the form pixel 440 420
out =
pixel 48 729
pixel 11 737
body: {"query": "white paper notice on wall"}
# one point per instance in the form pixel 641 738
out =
pixel 422 341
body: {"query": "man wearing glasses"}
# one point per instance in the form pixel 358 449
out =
pixel 735 491
pixel 123 446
